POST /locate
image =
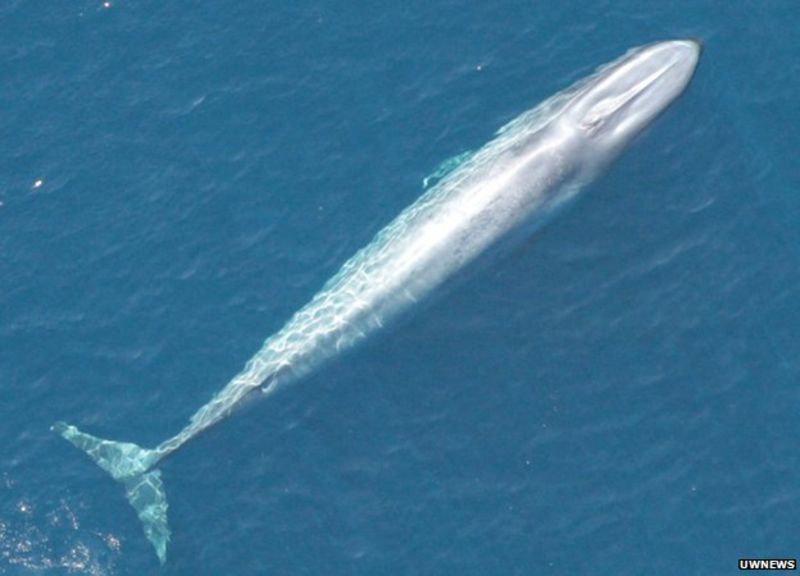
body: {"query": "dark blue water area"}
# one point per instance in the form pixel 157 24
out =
pixel 617 396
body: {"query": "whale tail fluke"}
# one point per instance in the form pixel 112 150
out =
pixel 132 466
pixel 146 494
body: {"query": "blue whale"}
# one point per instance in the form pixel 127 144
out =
pixel 493 197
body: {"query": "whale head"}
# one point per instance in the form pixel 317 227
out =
pixel 621 99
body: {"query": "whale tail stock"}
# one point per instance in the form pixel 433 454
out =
pixel 132 466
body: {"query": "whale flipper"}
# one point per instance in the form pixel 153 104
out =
pixel 446 167
pixel 131 465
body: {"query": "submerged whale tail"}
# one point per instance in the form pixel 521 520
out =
pixel 131 465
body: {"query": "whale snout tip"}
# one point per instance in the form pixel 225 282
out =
pixel 692 46
pixel 698 42
pixel 682 56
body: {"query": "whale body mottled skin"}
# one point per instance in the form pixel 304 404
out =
pixel 495 197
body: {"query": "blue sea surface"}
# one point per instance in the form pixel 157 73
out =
pixel 617 396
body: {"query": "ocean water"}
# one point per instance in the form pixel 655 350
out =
pixel 618 396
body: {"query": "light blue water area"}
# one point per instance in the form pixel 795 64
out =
pixel 619 396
